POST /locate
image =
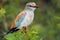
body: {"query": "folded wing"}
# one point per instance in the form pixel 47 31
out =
pixel 18 20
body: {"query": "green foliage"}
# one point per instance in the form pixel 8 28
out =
pixel 20 35
pixel 2 11
pixel 15 36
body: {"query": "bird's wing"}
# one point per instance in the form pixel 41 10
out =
pixel 18 19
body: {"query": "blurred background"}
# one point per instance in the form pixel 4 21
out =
pixel 46 24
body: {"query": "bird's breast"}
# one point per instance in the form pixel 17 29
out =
pixel 28 19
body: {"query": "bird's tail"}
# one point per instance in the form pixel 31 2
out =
pixel 10 31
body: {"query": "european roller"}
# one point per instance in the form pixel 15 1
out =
pixel 24 18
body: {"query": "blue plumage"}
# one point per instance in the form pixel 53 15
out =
pixel 20 20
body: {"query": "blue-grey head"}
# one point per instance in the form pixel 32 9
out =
pixel 31 6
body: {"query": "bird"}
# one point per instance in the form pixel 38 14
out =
pixel 24 18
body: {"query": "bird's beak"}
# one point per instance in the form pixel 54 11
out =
pixel 34 6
